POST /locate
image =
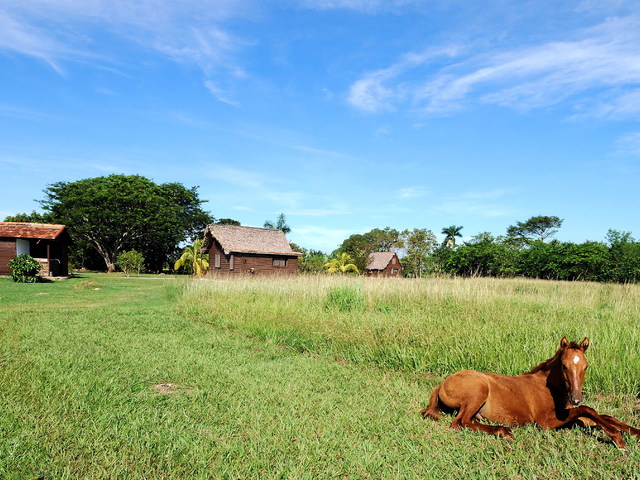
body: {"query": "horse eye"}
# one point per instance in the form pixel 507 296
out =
pixel 564 367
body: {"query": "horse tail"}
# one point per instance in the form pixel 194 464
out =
pixel 433 410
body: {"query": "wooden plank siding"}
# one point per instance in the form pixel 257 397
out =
pixel 249 263
pixel 7 252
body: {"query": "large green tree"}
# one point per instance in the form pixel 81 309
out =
pixel 540 228
pixel 122 212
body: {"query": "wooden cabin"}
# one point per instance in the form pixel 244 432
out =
pixel 384 264
pixel 47 243
pixel 248 250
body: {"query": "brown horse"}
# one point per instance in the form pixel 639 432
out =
pixel 549 396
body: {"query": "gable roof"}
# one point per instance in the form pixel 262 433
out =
pixel 234 239
pixel 46 231
pixel 379 260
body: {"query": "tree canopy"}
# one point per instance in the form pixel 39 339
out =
pixel 192 261
pixel 279 224
pixel 450 234
pixel 341 264
pixel 535 228
pixel 33 217
pixel 122 212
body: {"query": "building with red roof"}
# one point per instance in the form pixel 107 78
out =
pixel 47 243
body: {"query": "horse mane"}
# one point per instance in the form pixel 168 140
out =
pixel 546 365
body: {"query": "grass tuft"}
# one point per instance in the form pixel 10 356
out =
pixel 345 298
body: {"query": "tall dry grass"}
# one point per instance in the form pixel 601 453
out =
pixel 435 325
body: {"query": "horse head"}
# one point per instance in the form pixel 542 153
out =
pixel 574 367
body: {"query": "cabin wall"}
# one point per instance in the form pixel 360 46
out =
pixel 7 253
pixel 248 263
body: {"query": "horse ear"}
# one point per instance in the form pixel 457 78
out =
pixel 585 344
pixel 564 342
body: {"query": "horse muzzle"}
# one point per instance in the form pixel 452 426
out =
pixel 575 400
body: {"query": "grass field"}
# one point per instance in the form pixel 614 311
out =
pixel 104 376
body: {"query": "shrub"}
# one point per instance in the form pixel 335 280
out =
pixel 24 269
pixel 130 261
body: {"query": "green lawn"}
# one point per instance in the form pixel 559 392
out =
pixel 104 376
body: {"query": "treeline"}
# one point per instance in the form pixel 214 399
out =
pixel 617 260
pixel 526 250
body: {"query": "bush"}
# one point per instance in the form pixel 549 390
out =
pixel 24 269
pixel 130 261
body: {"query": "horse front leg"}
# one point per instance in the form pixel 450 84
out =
pixel 623 427
pixel 603 421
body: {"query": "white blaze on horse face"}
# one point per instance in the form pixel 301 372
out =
pixel 576 359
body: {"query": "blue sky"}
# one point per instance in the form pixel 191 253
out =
pixel 346 115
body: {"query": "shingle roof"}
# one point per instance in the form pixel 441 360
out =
pixel 46 231
pixel 234 239
pixel 379 260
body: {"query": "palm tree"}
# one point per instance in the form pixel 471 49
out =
pixel 342 264
pixel 192 260
pixel 279 224
pixel 450 235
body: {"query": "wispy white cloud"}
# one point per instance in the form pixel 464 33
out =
pixel 407 193
pixel 491 194
pixel 383 89
pixel 21 113
pixel 603 61
pixel 190 32
pixel 16 36
pixel 220 94
pixel 315 151
pixel 317 212
pixel 629 144
pixel 363 6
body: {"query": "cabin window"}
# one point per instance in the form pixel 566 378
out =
pixel 22 246
pixel 393 260
pixel 217 261
pixel 279 262
pixel 394 271
pixel 231 262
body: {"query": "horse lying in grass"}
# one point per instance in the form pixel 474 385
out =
pixel 549 396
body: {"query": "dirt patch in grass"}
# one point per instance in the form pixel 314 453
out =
pixel 170 389
pixel 88 285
